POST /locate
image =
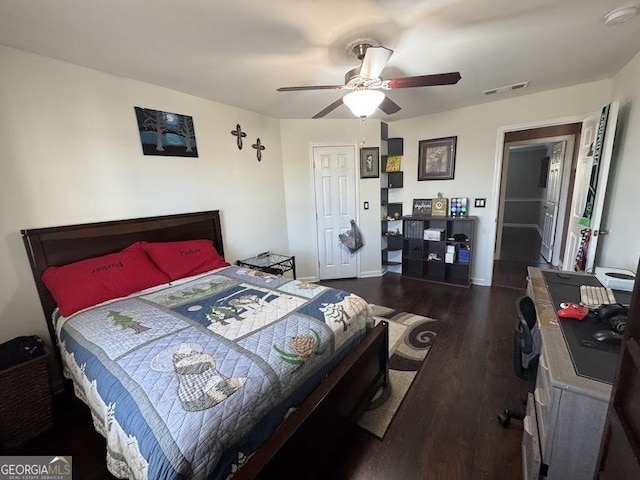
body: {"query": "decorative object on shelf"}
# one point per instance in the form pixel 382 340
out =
pixel 459 207
pixel 239 134
pixel 433 257
pixel 437 158
pixel 370 162
pixel 433 234
pixel 394 211
pixel 440 207
pixel 392 163
pixel 166 133
pixel 259 148
pixel 422 207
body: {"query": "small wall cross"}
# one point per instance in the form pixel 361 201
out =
pixel 239 134
pixel 259 147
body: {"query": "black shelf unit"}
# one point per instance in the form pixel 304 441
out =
pixel 391 211
pixel 425 259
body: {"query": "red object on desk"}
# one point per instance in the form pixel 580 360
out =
pixel 576 311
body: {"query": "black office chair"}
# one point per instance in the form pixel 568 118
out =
pixel 526 351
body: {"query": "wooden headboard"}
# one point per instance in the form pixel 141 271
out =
pixel 57 246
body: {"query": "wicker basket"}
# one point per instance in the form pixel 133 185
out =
pixel 25 401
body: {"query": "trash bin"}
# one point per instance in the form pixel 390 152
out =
pixel 25 391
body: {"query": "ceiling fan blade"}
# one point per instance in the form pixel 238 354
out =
pixel 311 87
pixel 328 109
pixel 388 106
pixel 375 59
pixel 425 80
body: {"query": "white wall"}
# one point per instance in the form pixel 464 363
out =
pixel 296 138
pixel 621 247
pixel 477 130
pixel 72 154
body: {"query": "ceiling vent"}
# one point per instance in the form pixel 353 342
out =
pixel 506 88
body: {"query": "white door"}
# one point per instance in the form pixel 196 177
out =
pixel 552 198
pixel 335 191
pixel 596 143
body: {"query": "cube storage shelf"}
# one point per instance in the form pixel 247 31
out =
pixel 425 259
pixel 391 230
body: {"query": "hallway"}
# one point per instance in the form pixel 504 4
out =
pixel 520 249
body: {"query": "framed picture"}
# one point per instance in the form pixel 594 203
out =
pixel 391 163
pixel 166 133
pixel 370 162
pixel 437 158
pixel 422 207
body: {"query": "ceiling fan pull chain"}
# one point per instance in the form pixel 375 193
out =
pixel 362 140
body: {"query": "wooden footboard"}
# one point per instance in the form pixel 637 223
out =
pixel 337 402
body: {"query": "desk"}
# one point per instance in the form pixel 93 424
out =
pixel 568 411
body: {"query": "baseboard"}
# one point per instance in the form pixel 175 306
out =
pixel 371 274
pixel 307 279
pixel 480 281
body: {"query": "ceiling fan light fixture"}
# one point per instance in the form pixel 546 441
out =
pixel 621 15
pixel 363 103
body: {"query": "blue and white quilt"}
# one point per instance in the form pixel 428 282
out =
pixel 187 381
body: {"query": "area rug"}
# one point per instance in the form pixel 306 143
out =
pixel 410 340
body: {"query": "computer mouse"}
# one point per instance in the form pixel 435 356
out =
pixel 607 336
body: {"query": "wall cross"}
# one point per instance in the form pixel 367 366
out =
pixel 259 148
pixel 239 134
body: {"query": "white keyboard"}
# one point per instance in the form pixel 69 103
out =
pixel 593 297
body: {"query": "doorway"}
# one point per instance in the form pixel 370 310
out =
pixel 334 178
pixel 535 188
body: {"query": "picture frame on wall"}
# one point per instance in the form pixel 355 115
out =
pixel 166 133
pixel 422 207
pixel 370 162
pixel 437 158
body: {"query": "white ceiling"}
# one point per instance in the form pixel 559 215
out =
pixel 238 52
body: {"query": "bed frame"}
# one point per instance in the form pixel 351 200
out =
pixel 312 428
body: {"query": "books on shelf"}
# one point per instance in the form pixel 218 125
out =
pixel 414 229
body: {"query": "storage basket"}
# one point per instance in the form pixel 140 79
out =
pixel 25 401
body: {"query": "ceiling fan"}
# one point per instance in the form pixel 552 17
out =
pixel 366 85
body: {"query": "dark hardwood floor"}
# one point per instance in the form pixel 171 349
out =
pixel 445 429
pixel 520 249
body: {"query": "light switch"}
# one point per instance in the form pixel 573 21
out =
pixel 480 202
pixel 366 205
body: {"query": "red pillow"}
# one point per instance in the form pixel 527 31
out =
pixel 95 280
pixel 182 259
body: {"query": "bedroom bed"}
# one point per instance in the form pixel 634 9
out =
pixel 182 378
